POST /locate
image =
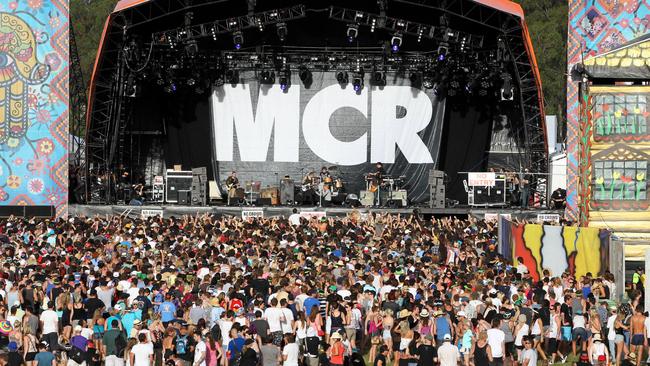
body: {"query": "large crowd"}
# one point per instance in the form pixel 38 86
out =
pixel 216 291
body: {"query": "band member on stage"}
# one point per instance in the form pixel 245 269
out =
pixel 379 170
pixel 375 184
pixel 308 194
pixel 232 183
pixel 309 178
pixel 324 173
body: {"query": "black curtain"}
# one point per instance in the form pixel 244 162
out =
pixel 465 142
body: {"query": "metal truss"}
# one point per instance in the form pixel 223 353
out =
pixel 230 25
pixel 78 102
pixel 403 26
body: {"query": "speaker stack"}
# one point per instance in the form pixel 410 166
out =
pixel 199 193
pixel 286 191
pixel 436 189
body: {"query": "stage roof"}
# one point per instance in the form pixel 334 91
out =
pixel 629 61
pixel 501 17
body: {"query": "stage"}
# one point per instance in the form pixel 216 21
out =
pixel 275 211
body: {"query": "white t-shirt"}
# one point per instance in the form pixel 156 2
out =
pixel 273 317
pixel 198 350
pixel 495 339
pixel 294 219
pixel 141 352
pixel 611 333
pixel 292 352
pixel 50 320
pixel 288 319
pixel 225 326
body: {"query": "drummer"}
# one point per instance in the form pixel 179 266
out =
pixel 324 173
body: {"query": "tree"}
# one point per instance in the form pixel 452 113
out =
pixel 547 25
pixel 88 18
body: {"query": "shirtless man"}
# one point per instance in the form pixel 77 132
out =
pixel 637 329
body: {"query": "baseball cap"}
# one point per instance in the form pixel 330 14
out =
pixel 447 337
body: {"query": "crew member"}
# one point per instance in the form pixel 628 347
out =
pixel 525 181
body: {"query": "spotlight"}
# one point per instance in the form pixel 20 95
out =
pixel 396 42
pixel 282 31
pixel 237 39
pixel 507 90
pixel 442 52
pixel 352 32
pixel 213 31
pixel 285 79
pixel 191 48
pixel 416 80
pixel 305 76
pixel 171 88
pixel 342 77
pixel 267 77
pixel 232 76
pixel 357 81
pixel 191 82
pixel 378 78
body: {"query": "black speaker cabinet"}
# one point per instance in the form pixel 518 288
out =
pixel 184 197
pixel 263 201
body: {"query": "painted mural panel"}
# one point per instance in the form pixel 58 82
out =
pixel 558 249
pixel 34 103
pixel 595 26
pixel 620 116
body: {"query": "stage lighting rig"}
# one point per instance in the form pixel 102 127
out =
pixel 352 32
pixel 378 78
pixel 305 76
pixel 342 78
pixel 232 77
pixel 427 80
pixel 285 79
pixel 507 89
pixel 282 31
pixel 396 42
pixel 267 77
pixel 357 81
pixel 237 39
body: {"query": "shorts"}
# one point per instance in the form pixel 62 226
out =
pixel 510 349
pixel 30 356
pixel 276 338
pixel 637 340
pixel 580 333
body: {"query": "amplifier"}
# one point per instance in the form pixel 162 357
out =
pixel 273 193
pixel 399 195
pixel 488 196
pixel 176 181
pixel 367 198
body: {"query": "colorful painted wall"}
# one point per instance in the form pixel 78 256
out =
pixel 595 26
pixel 34 103
pixel 577 250
pixel 620 160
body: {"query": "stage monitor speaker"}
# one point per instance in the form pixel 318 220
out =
pixel 184 197
pixel 490 195
pixel 395 203
pixel 367 198
pixel 286 191
pixel 263 201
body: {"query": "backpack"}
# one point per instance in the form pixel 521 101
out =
pixel 236 358
pixel 181 345
pixel 120 345
pixel 77 355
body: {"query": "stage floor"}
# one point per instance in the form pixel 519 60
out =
pixel 271 211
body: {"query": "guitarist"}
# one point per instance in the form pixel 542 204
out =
pixel 232 183
pixel 376 181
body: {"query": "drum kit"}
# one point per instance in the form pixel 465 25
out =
pixel 327 188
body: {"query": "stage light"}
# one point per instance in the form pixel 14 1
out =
pixel 357 81
pixel 305 76
pixel 285 79
pixel 191 48
pixel 342 77
pixel 282 31
pixel 442 52
pixel 396 42
pixel 191 82
pixel 507 90
pixel 238 39
pixel 352 32
pixel 213 31
pixel 267 77
pixel 219 81
pixel 416 80
pixel 232 76
pixel 378 78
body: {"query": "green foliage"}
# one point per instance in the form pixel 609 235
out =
pixel 547 25
pixel 87 18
